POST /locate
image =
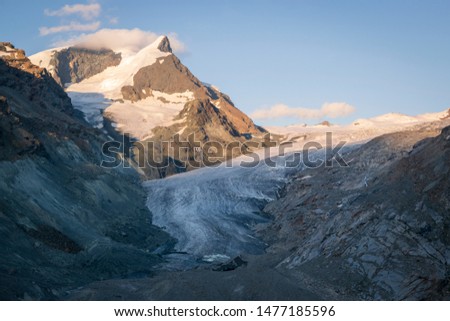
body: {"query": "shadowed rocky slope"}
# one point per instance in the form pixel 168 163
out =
pixel 378 229
pixel 64 220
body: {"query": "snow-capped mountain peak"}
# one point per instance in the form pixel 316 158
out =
pixel 140 92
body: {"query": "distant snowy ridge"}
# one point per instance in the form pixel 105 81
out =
pixel 386 121
pixel 358 131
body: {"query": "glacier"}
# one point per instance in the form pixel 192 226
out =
pixel 213 211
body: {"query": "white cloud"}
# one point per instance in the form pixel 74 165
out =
pixel 86 11
pixel 73 26
pixel 131 39
pixel 329 110
pixel 177 45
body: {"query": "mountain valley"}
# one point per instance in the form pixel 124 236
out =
pixel 259 225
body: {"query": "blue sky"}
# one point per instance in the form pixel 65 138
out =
pixel 377 56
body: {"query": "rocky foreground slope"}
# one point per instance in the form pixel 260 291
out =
pixel 378 229
pixel 64 220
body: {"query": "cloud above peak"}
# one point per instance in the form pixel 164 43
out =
pixel 328 110
pixel 83 29
pixel 73 26
pixel 85 11
pixel 115 39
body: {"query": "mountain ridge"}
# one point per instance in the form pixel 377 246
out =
pixel 148 90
